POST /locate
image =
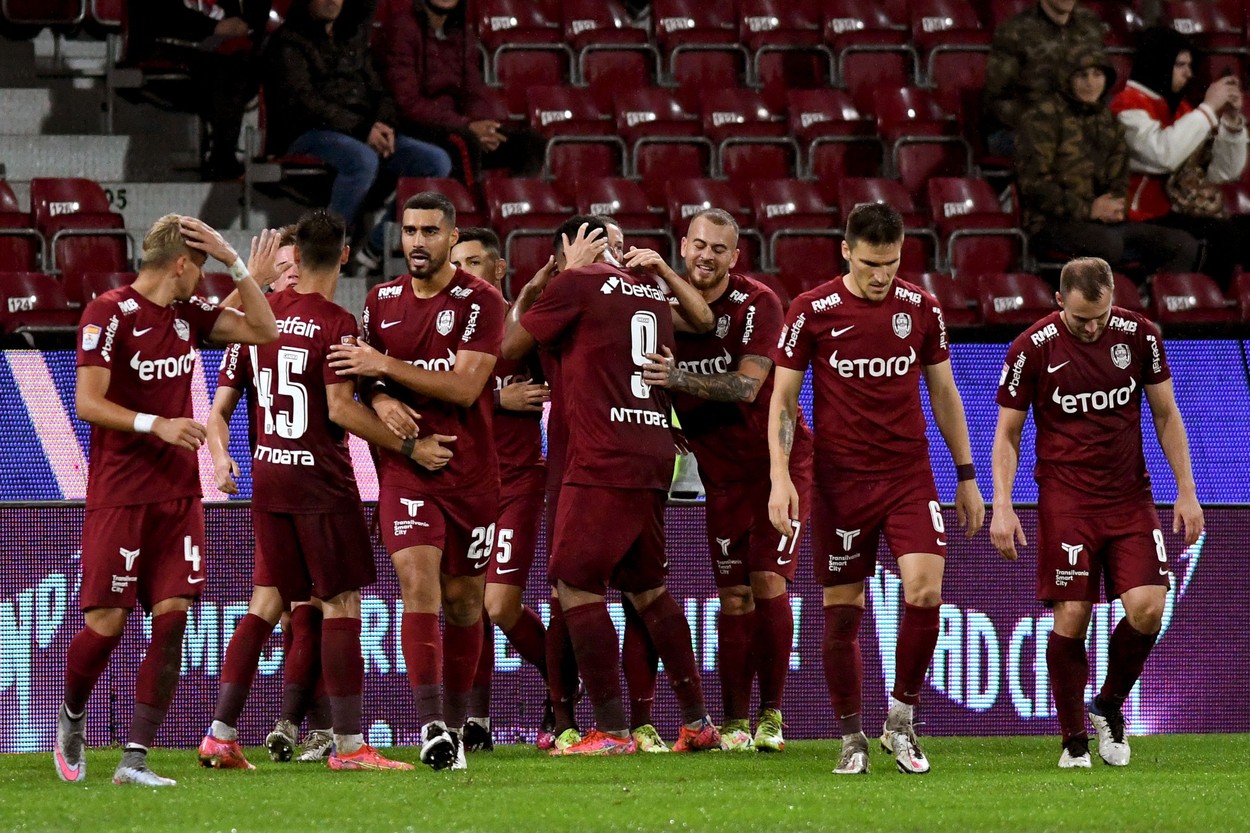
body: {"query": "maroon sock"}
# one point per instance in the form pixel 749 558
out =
pixel 774 637
pixel 670 633
pixel 158 676
pixel 562 670
pixel 1126 657
pixel 528 636
pixel 423 654
pixel 917 637
pixel 735 661
pixel 303 663
pixel 594 642
pixel 844 668
pixel 479 695
pixel 239 667
pixel 1068 665
pixel 462 645
pixel 641 665
pixel 344 672
pixel 87 658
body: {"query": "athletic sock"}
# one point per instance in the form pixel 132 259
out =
pixel 594 642
pixel 734 634
pixel 774 637
pixel 239 668
pixel 1068 665
pixel 319 714
pixel 561 670
pixel 917 637
pixel 86 660
pixel 344 673
pixel 641 666
pixel 1126 657
pixel 423 655
pixel 479 695
pixel 462 646
pixel 158 676
pixel 844 667
pixel 528 636
pixel 670 633
pixel 303 663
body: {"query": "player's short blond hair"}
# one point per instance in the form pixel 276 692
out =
pixel 286 235
pixel 164 242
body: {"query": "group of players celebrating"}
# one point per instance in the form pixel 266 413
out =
pixel 448 383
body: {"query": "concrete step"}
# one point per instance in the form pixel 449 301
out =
pixel 102 158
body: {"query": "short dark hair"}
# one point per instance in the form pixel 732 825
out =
pixel 286 235
pixel 609 220
pixel 319 236
pixel 432 201
pixel 570 227
pixel 875 223
pixel 717 217
pixel 1090 276
pixel 478 234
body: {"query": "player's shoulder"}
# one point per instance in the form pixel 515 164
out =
pixel 195 303
pixel 743 289
pixel 1131 323
pixel 821 298
pixel 908 294
pixel 121 299
pixel 1039 334
pixel 465 287
pixel 389 291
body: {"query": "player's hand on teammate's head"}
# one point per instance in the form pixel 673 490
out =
pixel 261 262
pixel 783 505
pixel 969 507
pixel 202 237
pixel 432 452
pixel 648 259
pixel 1006 532
pixel 1187 517
pixel 182 432
pixel 357 359
pixel 224 474
pixel 397 416
pixel 524 395
pixel 585 248
pixel 543 276
pixel 658 370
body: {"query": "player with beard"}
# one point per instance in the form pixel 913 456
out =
pixel 143 533
pixel 519 401
pixel 722 383
pixel 430 342
pixel 868 339
pixel 1083 370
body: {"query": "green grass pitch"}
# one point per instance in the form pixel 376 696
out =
pixel 1182 783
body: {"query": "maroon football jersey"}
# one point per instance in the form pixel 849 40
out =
pixel 1086 402
pixel 428 333
pixel 150 353
pixel 557 424
pixel 236 372
pixel 605 321
pixel 301 464
pixel 730 439
pixel 518 434
pixel 866 360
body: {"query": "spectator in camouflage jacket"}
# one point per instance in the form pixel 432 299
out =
pixel 1021 66
pixel 1072 174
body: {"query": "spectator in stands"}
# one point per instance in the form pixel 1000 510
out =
pixel 1179 154
pixel 1072 172
pixel 1021 65
pixel 433 67
pixel 326 100
pixel 218 44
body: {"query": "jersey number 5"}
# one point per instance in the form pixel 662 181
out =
pixel 289 424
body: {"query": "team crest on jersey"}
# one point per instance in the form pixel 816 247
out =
pixel 90 337
pixel 446 320
pixel 183 329
pixel 1120 356
pixel 722 326
pixel 902 324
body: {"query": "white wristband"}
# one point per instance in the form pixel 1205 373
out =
pixel 144 423
pixel 238 271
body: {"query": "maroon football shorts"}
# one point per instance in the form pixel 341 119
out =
pixel 849 517
pixel 516 538
pixel 741 538
pixel 462 527
pixel 320 555
pixel 148 552
pixel 609 537
pixel 1124 546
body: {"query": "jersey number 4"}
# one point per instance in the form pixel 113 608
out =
pixel 293 422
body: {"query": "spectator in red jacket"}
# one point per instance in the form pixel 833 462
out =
pixel 432 65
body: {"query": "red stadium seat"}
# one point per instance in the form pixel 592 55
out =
pixel 611 53
pixel 524 42
pixel 643 225
pixel 920 242
pixel 581 138
pixel 1127 295
pixel 524 213
pixel 666 140
pixel 808 258
pixel 921 136
pixel 938 23
pixel 1208 24
pixel 21 245
pixel 1016 299
pixel 215 287
pixel 976 233
pixel 871 43
pixel 95 284
pixel 796 221
pixel 1190 298
pixel 957 298
pixel 773 282
pixel 58 13
pixel 33 305
pixel 837 139
pixel 788 53
pixel 82 233
pixel 468 211
pixel 686 197
pixel 693 22
pixel 1241 291
pixel 701 42
pixel 752 140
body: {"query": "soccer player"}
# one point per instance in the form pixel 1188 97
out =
pixel 609 523
pixel 1083 370
pixel 143 533
pixel 312 539
pixel 723 384
pixel 519 401
pixel 430 342
pixel 869 338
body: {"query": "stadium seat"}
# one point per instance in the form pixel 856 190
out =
pixel 836 138
pixel 871 43
pixel 773 282
pixel 920 242
pixel 960 309
pixel 468 211
pixel 643 225
pixel 701 42
pixel 666 140
pixel 954 48
pixel 922 138
pixel 1126 294
pixel 786 42
pixel 21 246
pixel 611 53
pixel 94 284
pixel 976 233
pixel 794 219
pixel 581 138
pixel 62 14
pixel 82 233
pixel 524 43
pixel 808 258
pixel 686 197
pixel 1014 299
pixel 1208 24
pixel 752 140
pixel 33 305
pixel 1241 292
pixel 215 287
pixel 524 213
pixel 1190 298
pixel 945 23
pixel 1122 22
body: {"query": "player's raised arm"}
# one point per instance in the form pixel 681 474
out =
pixel 783 417
pixel 691 313
pixel 517 342
pixel 1005 529
pixel 254 323
pixel 948 413
pixel 1170 429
